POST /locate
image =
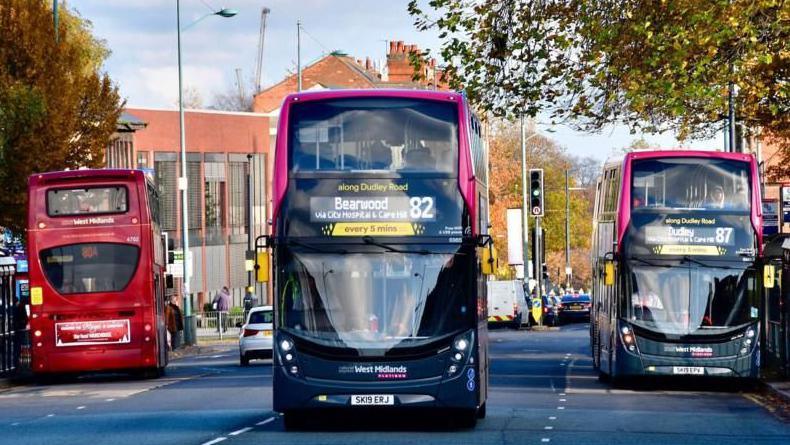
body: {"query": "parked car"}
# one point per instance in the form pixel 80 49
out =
pixel 575 307
pixel 507 303
pixel 255 337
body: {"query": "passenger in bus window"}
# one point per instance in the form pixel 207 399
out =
pixel 380 156
pixel 716 198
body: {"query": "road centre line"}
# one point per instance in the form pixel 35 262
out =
pixel 264 422
pixel 552 417
pixel 241 431
pixel 547 427
pixel 563 400
pixel 81 407
pixel 545 439
pixel 217 440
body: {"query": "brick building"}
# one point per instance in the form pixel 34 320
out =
pixel 222 149
pixel 340 71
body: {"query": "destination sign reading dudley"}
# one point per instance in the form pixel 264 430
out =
pixel 391 207
pixel 710 235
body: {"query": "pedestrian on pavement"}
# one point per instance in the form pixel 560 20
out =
pixel 221 304
pixel 175 323
pixel 250 300
pixel 170 324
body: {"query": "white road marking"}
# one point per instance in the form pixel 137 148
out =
pixel 552 417
pixel 562 394
pixel 15 424
pixel 81 407
pixel 217 440
pixel 109 400
pixel 545 439
pixel 216 356
pixel 264 422
pixel 548 427
pixel 50 415
pixel 560 407
pixel 241 431
pixel 563 400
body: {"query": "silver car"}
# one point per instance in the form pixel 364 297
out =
pixel 255 337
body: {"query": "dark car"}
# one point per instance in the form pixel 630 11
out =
pixel 550 312
pixel 575 307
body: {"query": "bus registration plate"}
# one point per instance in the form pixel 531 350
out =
pixel 688 370
pixel 372 400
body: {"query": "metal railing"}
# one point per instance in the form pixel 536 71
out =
pixel 218 324
pixel 9 337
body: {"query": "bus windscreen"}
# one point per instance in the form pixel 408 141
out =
pixel 690 183
pixel 86 201
pixel 90 267
pixel 373 302
pixel 374 134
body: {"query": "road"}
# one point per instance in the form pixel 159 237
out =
pixel 543 391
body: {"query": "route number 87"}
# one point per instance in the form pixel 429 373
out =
pixel 723 235
pixel 421 207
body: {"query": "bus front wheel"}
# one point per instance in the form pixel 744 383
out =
pixel 293 421
pixel 481 412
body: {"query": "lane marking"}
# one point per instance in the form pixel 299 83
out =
pixel 264 422
pixel 560 407
pixel 552 417
pixel 562 394
pixel 545 439
pixel 81 407
pixel 241 431
pixel 216 356
pixel 217 440
pixel 50 415
pixel 563 400
pixel 109 400
pixel 548 427
pixel 15 424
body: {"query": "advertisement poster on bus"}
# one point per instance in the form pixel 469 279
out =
pixel 390 207
pixel 98 332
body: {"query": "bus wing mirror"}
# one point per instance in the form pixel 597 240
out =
pixel 262 267
pixel 608 273
pixel 769 274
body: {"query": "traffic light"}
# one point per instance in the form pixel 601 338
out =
pixel 536 191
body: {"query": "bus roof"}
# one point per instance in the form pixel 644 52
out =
pixel 384 92
pixel 78 175
pixel 652 154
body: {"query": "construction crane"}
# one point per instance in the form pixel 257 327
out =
pixel 259 65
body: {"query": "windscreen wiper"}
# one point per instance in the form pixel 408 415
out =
pixel 646 262
pixel 703 264
pixel 371 241
pixel 315 248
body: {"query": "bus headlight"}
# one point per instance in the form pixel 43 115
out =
pixel 750 333
pixel 461 344
pixel 452 369
pixel 286 344
pixel 625 330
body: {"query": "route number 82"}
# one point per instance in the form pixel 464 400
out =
pixel 421 207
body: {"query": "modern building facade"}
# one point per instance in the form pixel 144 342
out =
pixel 223 150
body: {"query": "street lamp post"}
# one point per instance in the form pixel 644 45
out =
pixel 189 336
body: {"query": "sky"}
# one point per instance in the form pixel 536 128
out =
pixel 142 37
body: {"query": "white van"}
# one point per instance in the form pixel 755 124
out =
pixel 507 304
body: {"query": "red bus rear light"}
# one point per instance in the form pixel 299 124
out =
pixel 37 333
pixel 41 225
pixel 251 332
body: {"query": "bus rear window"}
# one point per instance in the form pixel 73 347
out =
pixel 90 267
pixel 86 201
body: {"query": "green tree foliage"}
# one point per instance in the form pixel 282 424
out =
pixel 57 110
pixel 505 191
pixel 654 65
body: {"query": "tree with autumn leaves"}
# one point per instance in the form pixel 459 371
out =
pixel 505 192
pixel 651 65
pixel 57 109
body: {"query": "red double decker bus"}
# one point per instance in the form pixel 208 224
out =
pixel 97 272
